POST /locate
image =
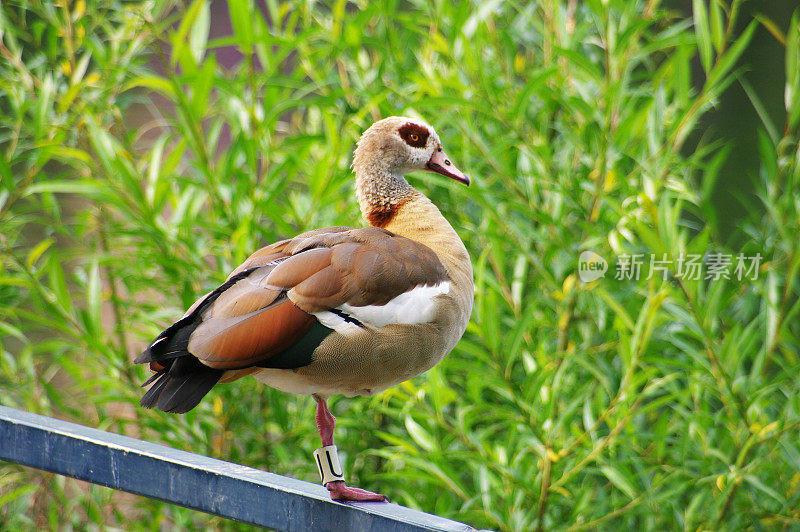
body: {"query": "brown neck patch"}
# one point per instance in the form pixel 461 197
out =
pixel 380 216
pixel 414 134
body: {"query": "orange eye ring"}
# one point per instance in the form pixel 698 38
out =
pixel 414 137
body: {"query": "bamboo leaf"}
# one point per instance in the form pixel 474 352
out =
pixel 703 34
pixel 420 435
pixel 619 481
pixel 38 251
pixel 792 90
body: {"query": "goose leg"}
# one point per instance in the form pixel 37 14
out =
pixel 338 489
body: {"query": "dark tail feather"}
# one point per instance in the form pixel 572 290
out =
pixel 181 380
pixel 172 343
pixel 150 398
pixel 153 377
pixel 181 387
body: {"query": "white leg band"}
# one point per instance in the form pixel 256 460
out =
pixel 328 464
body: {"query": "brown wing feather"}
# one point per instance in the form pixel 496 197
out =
pixel 282 248
pixel 246 296
pixel 368 266
pixel 322 291
pixel 298 268
pixel 237 342
pixel 239 302
pixel 267 310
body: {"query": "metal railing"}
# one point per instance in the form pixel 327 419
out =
pixel 194 481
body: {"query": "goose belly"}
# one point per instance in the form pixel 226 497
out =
pixel 364 362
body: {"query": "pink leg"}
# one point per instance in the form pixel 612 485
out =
pixel 338 489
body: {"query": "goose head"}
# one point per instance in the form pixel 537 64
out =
pixel 399 145
pixel 388 150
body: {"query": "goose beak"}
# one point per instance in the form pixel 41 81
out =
pixel 440 164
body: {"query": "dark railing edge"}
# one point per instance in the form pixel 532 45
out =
pixel 221 488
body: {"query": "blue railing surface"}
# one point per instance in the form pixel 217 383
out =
pixel 194 481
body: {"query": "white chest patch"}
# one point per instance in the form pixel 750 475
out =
pixel 418 305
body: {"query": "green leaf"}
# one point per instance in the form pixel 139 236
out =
pixel 201 89
pixel 420 435
pixel 717 24
pixel 198 35
pixel 37 251
pixel 58 284
pixel 760 486
pixel 156 83
pixel 616 477
pixel 758 105
pixel 703 34
pixel 240 12
pixel 792 90
pixel 729 59
pixel 81 187
pixel 94 298
pixel 17 493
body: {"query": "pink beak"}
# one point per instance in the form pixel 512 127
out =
pixel 441 164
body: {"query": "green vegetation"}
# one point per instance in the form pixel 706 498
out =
pixel 646 404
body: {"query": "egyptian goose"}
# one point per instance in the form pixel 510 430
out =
pixel 335 310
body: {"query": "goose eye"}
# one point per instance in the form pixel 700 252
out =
pixel 414 135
